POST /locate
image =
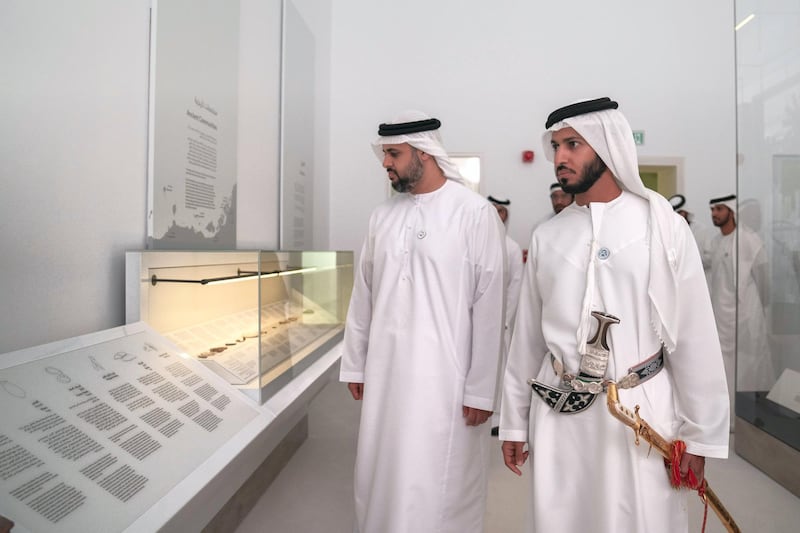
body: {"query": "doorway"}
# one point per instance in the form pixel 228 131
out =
pixel 662 174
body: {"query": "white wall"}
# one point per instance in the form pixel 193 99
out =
pixel 73 157
pixel 493 71
pixel 73 162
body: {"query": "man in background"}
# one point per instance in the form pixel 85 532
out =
pixel 513 283
pixel 702 233
pixel 751 369
pixel 514 277
pixel 559 199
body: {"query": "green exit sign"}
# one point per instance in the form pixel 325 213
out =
pixel 638 137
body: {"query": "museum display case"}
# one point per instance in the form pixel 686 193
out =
pixel 256 318
pixel 767 395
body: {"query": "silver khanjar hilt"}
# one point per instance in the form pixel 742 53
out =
pixel 580 392
pixel 595 360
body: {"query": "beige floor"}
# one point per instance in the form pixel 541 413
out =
pixel 314 491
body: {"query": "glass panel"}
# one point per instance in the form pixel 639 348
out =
pixel 297 132
pixel 768 118
pixel 255 318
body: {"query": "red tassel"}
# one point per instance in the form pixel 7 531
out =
pixel 678 448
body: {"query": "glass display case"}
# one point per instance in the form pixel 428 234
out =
pixel 256 318
pixel 767 429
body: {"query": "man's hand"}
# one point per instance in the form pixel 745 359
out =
pixel 357 390
pixel 514 455
pixel 697 464
pixel 475 417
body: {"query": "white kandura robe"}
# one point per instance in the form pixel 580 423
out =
pixel 423 333
pixel 704 236
pixel 513 284
pixel 514 266
pixel 542 220
pixel 587 473
pixel 751 361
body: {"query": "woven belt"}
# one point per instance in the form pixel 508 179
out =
pixel 636 375
pixel 580 394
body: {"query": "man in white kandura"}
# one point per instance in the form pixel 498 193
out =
pixel 422 341
pixel 618 249
pixel 513 283
pixel 559 200
pixel 702 233
pixel 752 369
pixel 515 264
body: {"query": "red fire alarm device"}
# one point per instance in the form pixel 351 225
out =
pixel 527 156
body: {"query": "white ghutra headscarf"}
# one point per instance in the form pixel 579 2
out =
pixel 611 137
pixel 727 201
pixel 429 142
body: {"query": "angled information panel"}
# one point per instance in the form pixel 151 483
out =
pixel 95 430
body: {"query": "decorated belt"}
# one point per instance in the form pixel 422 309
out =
pixel 578 394
pixel 581 390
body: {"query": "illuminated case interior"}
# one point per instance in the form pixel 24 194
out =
pixel 256 318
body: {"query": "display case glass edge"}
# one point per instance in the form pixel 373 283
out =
pixel 766 368
pixel 257 318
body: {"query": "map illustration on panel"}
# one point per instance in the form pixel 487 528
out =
pixel 193 136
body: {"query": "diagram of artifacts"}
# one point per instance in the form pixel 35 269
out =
pixel 91 438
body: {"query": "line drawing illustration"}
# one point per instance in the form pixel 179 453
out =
pixel 61 377
pixel 13 389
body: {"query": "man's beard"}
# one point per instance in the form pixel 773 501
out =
pixel 412 176
pixel 591 173
pixel 719 222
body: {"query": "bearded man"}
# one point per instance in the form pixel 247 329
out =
pixel 745 349
pixel 422 341
pixel 618 250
